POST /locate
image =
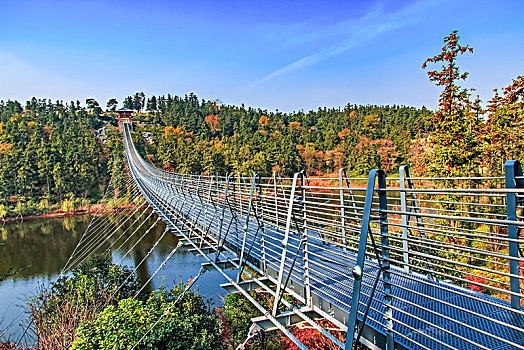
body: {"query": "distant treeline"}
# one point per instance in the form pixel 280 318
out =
pixel 196 136
pixel 49 154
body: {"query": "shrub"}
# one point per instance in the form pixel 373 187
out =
pixel 313 339
pixel 68 206
pixel 58 311
pixel 3 211
pixel 189 324
pixel 238 312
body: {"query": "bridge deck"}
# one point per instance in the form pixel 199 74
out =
pixel 334 285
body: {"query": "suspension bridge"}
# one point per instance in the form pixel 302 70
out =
pixel 394 262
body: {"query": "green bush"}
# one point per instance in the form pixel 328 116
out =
pixel 189 324
pixel 58 311
pixel 239 311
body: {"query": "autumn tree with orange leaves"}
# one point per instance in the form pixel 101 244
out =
pixel 212 121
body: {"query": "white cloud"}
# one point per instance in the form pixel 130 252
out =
pixel 358 32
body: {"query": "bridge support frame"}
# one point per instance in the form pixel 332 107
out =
pixel 285 244
pixel 342 175
pixel 514 180
pixel 405 176
pixel 374 175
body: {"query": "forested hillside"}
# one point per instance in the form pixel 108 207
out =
pixel 203 136
pixel 49 154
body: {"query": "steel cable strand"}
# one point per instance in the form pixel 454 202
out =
pixel 98 224
pixel 135 193
pixel 139 264
pixel 180 296
pixel 97 243
pixel 95 220
pixel 170 255
pixel 24 334
pixel 139 240
pixel 101 229
pixel 127 229
pixel 135 230
pixel 86 230
pixel 129 182
pixel 95 227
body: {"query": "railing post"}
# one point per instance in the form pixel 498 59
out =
pixel 342 208
pixel 285 243
pixel 260 208
pixel 358 270
pixel 404 208
pixel 246 226
pixel 240 192
pixel 275 195
pixel 513 170
pixel 226 190
pixel 305 239
pixel 386 274
pixel 405 177
pixel 235 209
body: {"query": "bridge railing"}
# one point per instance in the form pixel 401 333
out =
pixel 426 262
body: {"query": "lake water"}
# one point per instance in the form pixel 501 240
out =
pixel 39 249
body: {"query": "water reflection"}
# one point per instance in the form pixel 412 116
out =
pixel 39 247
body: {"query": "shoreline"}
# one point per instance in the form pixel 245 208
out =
pixel 97 209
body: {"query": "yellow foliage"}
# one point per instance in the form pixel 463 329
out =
pixel 169 130
pixel 371 122
pixel 5 147
pixel 294 125
pixel 1 127
pixel 3 211
pixel 67 206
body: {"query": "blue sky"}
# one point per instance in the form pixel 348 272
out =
pixel 286 55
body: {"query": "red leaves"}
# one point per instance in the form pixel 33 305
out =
pixel 313 339
pixel 212 121
pixel 477 280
